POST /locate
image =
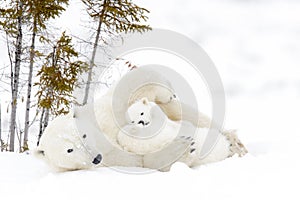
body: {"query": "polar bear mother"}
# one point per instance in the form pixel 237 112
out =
pixel 109 118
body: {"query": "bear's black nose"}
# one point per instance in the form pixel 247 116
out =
pixel 141 122
pixel 97 159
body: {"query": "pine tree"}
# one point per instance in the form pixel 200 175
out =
pixel 12 21
pixel 114 16
pixel 58 78
pixel 38 13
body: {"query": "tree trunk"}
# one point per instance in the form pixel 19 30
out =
pixel 41 127
pixel 29 86
pixel 44 120
pixel 92 63
pixel 15 77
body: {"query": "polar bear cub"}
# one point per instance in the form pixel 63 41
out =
pixel 150 130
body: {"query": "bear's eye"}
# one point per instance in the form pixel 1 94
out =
pixel 70 150
pixel 132 122
pixel 142 113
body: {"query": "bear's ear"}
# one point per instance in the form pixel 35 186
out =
pixel 145 101
pixel 39 153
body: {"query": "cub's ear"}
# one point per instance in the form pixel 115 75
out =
pixel 145 101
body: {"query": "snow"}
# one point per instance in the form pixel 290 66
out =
pixel 267 175
pixel 255 46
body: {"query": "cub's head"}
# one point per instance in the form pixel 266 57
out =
pixel 139 113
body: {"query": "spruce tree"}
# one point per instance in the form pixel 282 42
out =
pixel 58 78
pixel 38 13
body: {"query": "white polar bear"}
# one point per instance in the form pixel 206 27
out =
pixel 150 130
pixel 136 84
pixel 143 134
pixel 74 141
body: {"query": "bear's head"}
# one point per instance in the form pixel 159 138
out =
pixel 139 113
pixel 63 148
pixel 148 129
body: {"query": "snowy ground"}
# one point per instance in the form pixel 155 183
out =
pixel 255 46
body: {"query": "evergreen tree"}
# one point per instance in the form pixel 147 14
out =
pixel 58 78
pixel 38 13
pixel 114 16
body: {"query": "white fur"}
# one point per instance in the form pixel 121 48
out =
pixel 59 136
pixel 138 83
pixel 177 111
pixel 220 150
pixel 55 140
pixel 134 137
pixel 99 124
pixel 148 138
pixel 66 132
